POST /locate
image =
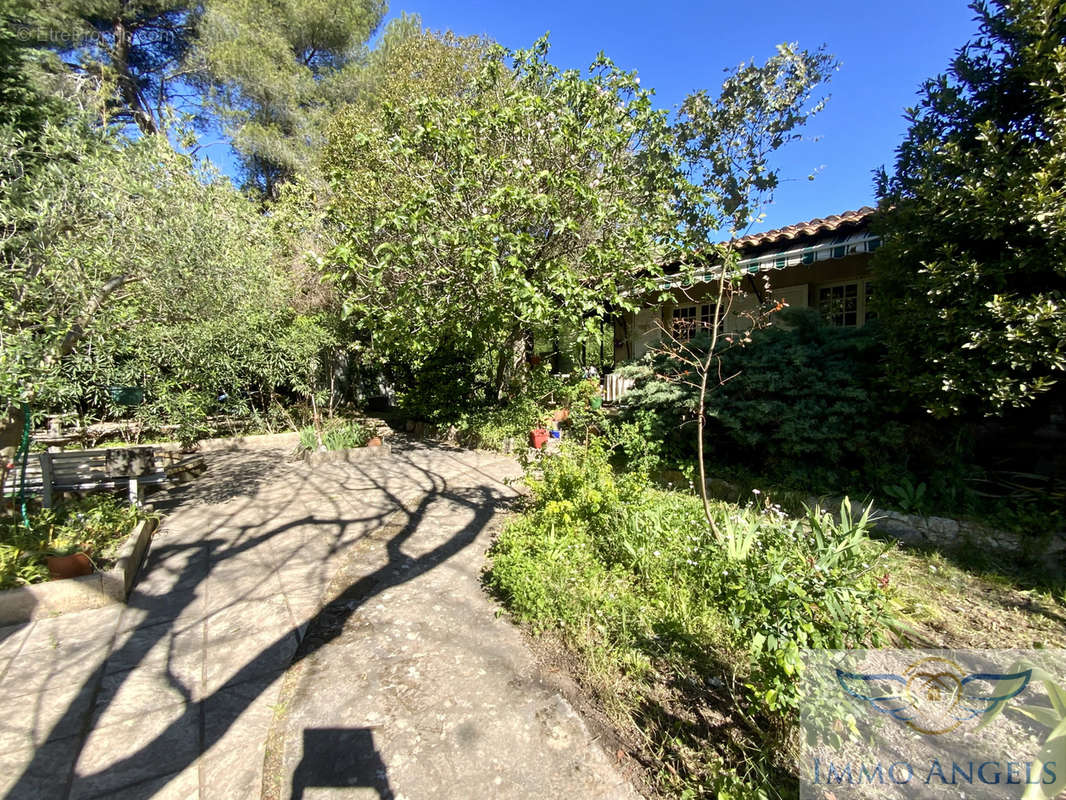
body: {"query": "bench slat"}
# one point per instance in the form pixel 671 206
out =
pixel 85 470
pixel 110 483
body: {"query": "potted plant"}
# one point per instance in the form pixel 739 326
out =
pixel 67 558
pixel 537 437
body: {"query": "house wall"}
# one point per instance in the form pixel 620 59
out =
pixel 798 286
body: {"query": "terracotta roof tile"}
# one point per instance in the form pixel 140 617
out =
pixel 811 228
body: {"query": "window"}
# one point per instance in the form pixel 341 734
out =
pixel 867 303
pixel 846 305
pixel 685 322
pixel 688 320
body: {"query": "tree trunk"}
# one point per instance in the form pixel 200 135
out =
pixel 127 84
pixel 510 359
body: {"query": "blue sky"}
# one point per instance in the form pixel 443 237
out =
pixel 886 50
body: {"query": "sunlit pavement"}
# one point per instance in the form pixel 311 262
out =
pixel 335 614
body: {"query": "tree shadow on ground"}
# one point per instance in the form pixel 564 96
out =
pixel 187 565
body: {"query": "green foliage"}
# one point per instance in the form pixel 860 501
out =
pixel 443 385
pixel 908 498
pixel 803 404
pixel 121 57
pixel 490 425
pixel 128 264
pixel 96 525
pixel 534 199
pixel 631 575
pixel 337 434
pixel 972 274
pixel 22 106
pixel 726 144
pixel 274 70
pixel 1052 718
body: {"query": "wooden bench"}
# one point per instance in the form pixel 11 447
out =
pixel 88 470
pixel 131 468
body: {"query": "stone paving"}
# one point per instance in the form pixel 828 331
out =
pixel 300 633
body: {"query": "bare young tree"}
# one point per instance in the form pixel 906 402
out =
pixel 727 145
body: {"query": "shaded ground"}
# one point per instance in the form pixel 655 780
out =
pixel 405 685
pixel 941 604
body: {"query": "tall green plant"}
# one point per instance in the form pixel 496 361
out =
pixel 273 71
pixel 972 277
pixel 805 406
pixel 125 263
pixel 1052 753
pixel 727 145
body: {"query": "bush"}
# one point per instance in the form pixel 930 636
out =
pixel 338 434
pixel 632 571
pixel 806 407
pixel 96 525
pixel 443 386
pixel 490 425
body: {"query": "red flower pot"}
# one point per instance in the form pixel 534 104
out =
pixel 537 437
pixel 71 566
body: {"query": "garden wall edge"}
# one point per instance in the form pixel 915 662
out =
pixel 27 603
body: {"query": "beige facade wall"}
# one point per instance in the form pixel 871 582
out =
pixel 797 286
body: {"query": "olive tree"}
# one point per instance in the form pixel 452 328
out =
pixel 128 262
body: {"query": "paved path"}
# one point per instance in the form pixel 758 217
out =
pixel 298 631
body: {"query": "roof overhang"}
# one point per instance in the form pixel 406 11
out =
pixel 823 249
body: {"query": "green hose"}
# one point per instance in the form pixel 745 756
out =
pixel 24 450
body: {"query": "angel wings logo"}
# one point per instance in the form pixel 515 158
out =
pixel 934 695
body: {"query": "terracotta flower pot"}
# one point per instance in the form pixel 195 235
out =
pixel 537 437
pixel 375 441
pixel 71 566
pixel 561 415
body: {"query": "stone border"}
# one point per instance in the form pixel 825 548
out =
pixel 945 532
pixel 26 603
pixel 353 455
pixel 917 530
pixel 289 439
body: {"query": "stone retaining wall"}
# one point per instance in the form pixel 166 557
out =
pixel 27 603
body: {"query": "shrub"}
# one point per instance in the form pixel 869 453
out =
pixel 489 425
pixel 631 575
pixel 805 406
pixel 95 525
pixel 338 435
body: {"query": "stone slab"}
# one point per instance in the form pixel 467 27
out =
pixel 353 455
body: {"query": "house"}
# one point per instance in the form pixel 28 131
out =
pixel 822 264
